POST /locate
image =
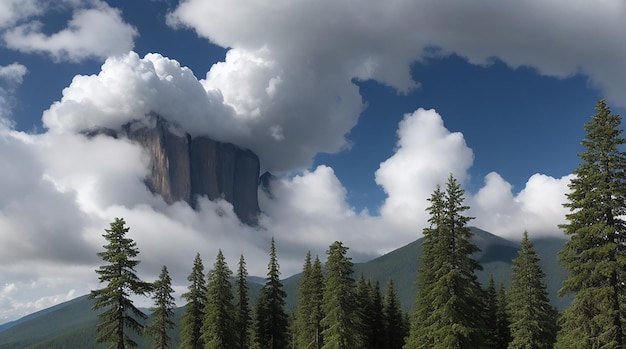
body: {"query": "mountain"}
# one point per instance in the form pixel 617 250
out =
pixel 72 324
pixel 184 168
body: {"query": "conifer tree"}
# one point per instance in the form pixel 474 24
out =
pixel 162 311
pixel 394 324
pixel 121 280
pixel 243 319
pixel 449 307
pixel 533 320
pixel 371 313
pixel 503 332
pixel 491 315
pixel 311 291
pixel 193 316
pixel 341 316
pixel 271 319
pixel 218 328
pixel 594 256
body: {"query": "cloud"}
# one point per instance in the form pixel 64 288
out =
pixel 97 31
pixel 379 40
pixel 12 11
pixel 13 73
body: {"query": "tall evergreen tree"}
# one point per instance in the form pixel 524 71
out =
pixel 218 328
pixel 533 319
pixel 371 313
pixel 311 291
pixel 595 256
pixel 503 332
pixel 394 324
pixel 341 317
pixel 243 319
pixel 491 315
pixel 193 316
pixel 122 282
pixel 162 311
pixel 272 321
pixel 447 309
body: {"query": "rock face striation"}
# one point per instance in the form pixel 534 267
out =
pixel 184 168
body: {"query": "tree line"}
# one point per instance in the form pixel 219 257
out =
pixel 452 309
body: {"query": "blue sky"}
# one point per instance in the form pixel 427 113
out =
pixel 359 109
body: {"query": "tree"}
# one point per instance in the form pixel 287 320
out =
pixel 491 315
pixel 503 332
pixel 243 320
pixel 532 318
pixel 122 282
pixel 309 314
pixel 191 322
pixel 271 319
pixel 595 254
pixel 218 329
pixel 371 313
pixel 163 311
pixel 452 296
pixel 395 327
pixel 341 320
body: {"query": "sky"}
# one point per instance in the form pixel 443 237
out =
pixel 360 109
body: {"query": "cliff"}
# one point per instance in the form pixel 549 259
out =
pixel 184 168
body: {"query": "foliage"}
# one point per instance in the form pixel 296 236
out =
pixel 218 328
pixel 396 328
pixel 341 316
pixel 162 312
pixel 121 283
pixel 595 255
pixel 191 322
pixel 308 331
pixel 271 319
pixel 449 294
pixel 532 318
pixel 243 319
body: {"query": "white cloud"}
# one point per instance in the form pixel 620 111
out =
pixel 379 40
pixel 97 31
pixel 12 11
pixel 13 73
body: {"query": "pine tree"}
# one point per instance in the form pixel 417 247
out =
pixel 371 313
pixel 191 322
pixel 341 320
pixel 218 328
pixel 503 332
pixel 394 323
pixel 122 282
pixel 162 312
pixel 533 321
pixel 272 321
pixel 491 315
pixel 243 320
pixel 595 256
pixel 447 308
pixel 311 291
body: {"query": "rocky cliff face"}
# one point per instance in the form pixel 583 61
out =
pixel 184 168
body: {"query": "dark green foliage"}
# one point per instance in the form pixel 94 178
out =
pixel 503 332
pixel 395 326
pixel 191 322
pixel 341 316
pixel 307 328
pixel 218 328
pixel 532 318
pixel 371 313
pixel 271 319
pixel 450 298
pixel 595 255
pixel 162 312
pixel 120 315
pixel 491 315
pixel 243 319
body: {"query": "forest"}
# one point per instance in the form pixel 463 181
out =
pixel 337 310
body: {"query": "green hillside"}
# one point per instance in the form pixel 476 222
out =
pixel 72 324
